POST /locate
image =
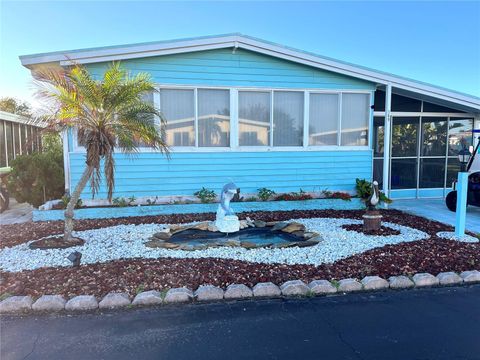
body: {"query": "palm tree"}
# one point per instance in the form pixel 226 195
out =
pixel 109 113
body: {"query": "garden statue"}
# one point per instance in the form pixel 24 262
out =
pixel 372 219
pixel 226 220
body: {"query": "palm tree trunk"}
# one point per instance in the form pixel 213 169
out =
pixel 67 234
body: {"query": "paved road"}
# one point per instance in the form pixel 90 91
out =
pixel 423 324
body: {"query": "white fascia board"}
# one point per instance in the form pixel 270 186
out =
pixel 248 43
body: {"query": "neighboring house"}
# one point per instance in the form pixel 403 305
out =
pixel 18 135
pixel 264 115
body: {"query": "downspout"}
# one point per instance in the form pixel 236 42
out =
pixel 386 140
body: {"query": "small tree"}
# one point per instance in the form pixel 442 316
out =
pixel 107 113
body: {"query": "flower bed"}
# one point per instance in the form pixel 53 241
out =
pixel 121 268
pixel 151 210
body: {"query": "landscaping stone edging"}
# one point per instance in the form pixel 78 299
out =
pixel 171 209
pixel 297 288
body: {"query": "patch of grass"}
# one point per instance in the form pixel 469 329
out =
pixel 4 296
pixel 140 288
pixel 335 283
pixel 163 293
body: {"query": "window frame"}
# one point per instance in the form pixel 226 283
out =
pixel 234 115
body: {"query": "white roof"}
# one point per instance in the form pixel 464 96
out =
pixel 132 51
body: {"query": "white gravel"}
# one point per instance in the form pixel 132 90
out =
pixel 127 241
pixel 450 235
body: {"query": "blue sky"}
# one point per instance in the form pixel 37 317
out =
pixel 435 42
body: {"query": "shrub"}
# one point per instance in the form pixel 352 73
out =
pixel 37 177
pixel 336 195
pixel 293 196
pixel 123 202
pixel 264 194
pixel 364 191
pixel 206 195
pixel 66 199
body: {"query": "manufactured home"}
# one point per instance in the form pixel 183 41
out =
pixel 265 115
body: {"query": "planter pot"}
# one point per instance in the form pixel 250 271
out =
pixel 372 221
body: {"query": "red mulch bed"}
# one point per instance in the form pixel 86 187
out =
pixel 433 255
pixel 383 231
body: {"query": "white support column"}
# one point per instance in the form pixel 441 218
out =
pixel 386 140
pixel 66 160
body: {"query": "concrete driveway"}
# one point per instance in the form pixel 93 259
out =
pixel 436 209
pixel 16 213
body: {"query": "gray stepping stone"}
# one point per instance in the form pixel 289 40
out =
pixel 179 295
pixel 114 300
pixel 16 304
pixel 294 288
pixel 238 291
pixel 151 297
pixel 349 285
pixel 208 293
pixel 400 282
pixel 49 303
pixel 470 276
pixel 266 289
pixel 322 287
pixel 82 302
pixel 449 278
pixel 424 279
pixel 374 283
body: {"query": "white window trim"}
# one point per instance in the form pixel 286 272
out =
pixel 234 128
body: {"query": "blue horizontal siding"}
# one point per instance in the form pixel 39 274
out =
pixel 151 174
pixel 244 68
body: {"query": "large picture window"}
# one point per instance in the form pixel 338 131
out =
pixel 254 118
pixel 355 116
pixel 323 119
pixel 287 118
pixel 178 108
pixel 213 118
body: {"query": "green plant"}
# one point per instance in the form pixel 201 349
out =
pixel 364 191
pixel 139 289
pixel 206 195
pixel 109 113
pixel 66 199
pixel 152 202
pixel 37 177
pixel 251 198
pixel 336 195
pixel 123 202
pixel 264 194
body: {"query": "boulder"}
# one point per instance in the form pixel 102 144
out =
pixel 238 291
pixel 279 226
pixel 425 279
pixel 82 302
pixel 208 293
pixel 162 235
pixel 322 287
pixel 179 295
pixel 202 225
pixel 260 223
pixel 374 283
pixel 151 297
pixel 470 276
pixel 212 227
pixel 14 304
pixel 114 300
pixel 400 282
pixel 449 278
pixel 292 227
pixel 294 288
pixel 266 289
pixel 349 285
pixel 49 303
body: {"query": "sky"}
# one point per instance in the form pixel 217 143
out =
pixel 434 42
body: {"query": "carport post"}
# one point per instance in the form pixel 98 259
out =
pixel 461 212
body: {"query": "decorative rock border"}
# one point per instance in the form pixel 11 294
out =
pixel 23 304
pixel 165 238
